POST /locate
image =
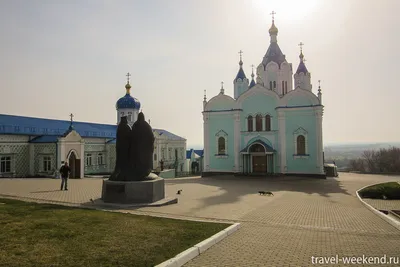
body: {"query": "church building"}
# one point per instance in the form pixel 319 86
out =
pixel 270 126
pixel 36 147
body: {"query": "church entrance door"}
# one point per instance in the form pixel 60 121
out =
pixel 75 166
pixel 259 164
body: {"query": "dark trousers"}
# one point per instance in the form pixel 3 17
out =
pixel 64 183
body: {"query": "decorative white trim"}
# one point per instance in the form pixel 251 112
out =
pixel 299 92
pixel 206 142
pixel 308 108
pixel 217 112
pixel 301 156
pixel 223 134
pixel 298 132
pixel 221 156
pixel 82 172
pixel 257 89
pixel 320 163
pixel 282 140
pixel 236 143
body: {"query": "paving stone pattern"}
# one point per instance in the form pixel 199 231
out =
pixel 304 218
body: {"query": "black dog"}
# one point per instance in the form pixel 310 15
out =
pixel 179 192
pixel 263 193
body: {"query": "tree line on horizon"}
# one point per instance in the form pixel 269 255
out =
pixel 384 160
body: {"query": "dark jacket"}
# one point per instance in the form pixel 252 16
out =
pixel 64 170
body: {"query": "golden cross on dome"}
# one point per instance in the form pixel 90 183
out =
pixel 222 85
pixel 273 13
pixel 240 53
pixel 72 116
pixel 128 75
pixel 301 47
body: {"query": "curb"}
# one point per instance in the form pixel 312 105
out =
pixel 199 248
pixel 388 219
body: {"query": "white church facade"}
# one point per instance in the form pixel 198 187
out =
pixel 36 147
pixel 270 125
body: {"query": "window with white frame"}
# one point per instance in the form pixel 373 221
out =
pixel 221 146
pixel 222 143
pixel 88 159
pixel 258 123
pixel 129 116
pixel 155 156
pixel 267 123
pixel 100 159
pixel 301 145
pixel 5 164
pixel 46 163
pixel 300 142
pixel 250 123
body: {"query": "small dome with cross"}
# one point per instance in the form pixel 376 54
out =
pixel 127 101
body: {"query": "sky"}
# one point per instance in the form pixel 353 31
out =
pixel 71 56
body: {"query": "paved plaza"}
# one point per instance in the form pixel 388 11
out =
pixel 304 218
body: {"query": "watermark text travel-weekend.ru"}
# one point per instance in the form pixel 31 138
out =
pixel 355 260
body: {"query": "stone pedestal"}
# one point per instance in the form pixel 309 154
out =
pixel 147 191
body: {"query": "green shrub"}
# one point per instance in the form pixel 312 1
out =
pixel 389 190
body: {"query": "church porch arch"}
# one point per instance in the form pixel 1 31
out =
pixel 258 158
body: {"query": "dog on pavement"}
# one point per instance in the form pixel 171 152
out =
pixel 265 193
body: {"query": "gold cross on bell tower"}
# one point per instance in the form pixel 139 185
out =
pixel 71 116
pixel 301 47
pixel 128 75
pixel 273 13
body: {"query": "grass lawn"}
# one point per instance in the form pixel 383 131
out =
pixel 390 190
pixel 50 235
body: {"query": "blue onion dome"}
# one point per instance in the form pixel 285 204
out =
pixel 128 101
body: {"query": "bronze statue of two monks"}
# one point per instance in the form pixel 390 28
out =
pixel 134 148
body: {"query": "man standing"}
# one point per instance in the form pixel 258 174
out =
pixel 64 171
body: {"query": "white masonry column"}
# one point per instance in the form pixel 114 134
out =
pixel 32 159
pixel 319 140
pixel 62 151
pixel 282 140
pixel 206 143
pixel 82 171
pixel 236 142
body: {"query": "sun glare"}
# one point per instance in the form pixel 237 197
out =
pixel 286 10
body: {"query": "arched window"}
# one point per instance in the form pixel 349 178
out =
pixel 221 146
pixel 301 145
pixel 257 148
pixel 268 123
pixel 258 123
pixel 274 84
pixel 250 123
pixel 270 85
pixel 283 87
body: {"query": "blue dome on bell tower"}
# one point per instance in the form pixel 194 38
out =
pixel 127 101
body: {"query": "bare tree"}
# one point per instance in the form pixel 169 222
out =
pixel 386 160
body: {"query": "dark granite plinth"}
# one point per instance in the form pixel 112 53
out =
pixel 147 191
